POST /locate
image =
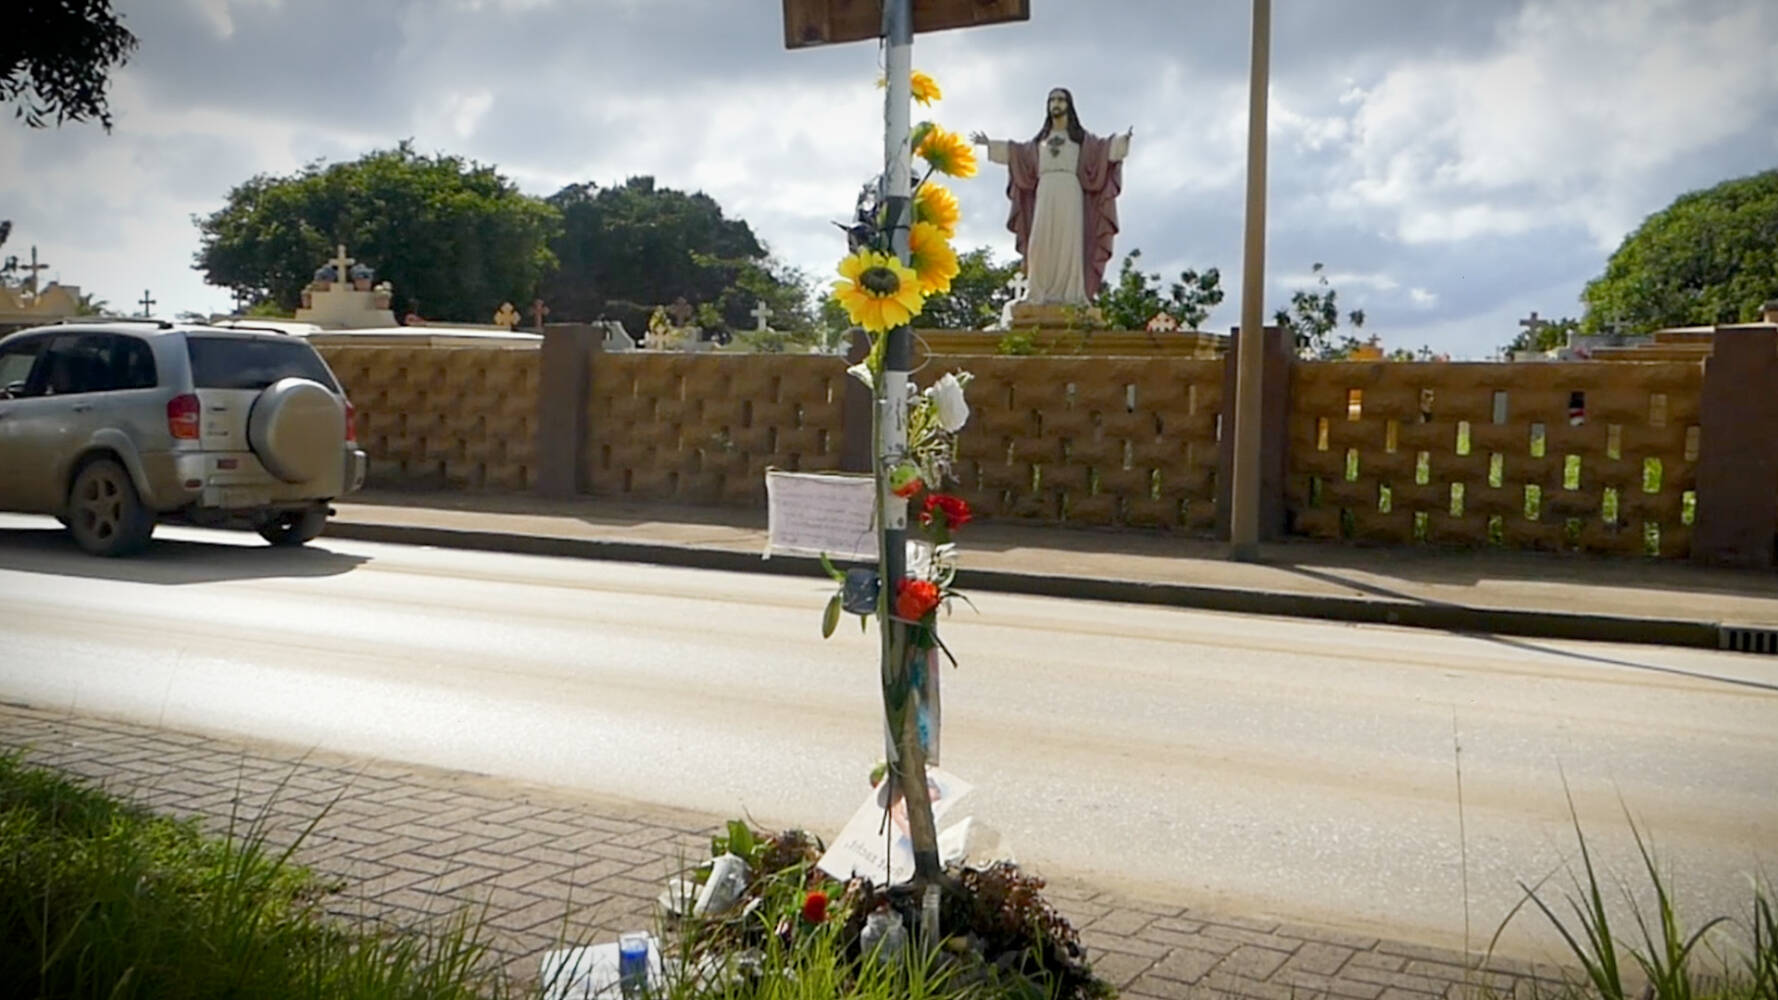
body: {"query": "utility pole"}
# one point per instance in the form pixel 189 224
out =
pixel 1249 414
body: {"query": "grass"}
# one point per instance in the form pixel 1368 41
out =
pixel 101 899
pixel 1668 962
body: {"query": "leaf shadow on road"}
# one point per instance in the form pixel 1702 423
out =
pixel 167 561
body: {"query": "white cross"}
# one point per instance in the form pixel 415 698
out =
pixel 343 262
pixel 1020 286
pixel 761 312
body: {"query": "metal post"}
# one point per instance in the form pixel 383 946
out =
pixel 908 760
pixel 1244 490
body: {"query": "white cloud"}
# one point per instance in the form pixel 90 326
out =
pixel 1563 124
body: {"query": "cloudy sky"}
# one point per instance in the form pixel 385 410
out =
pixel 1455 163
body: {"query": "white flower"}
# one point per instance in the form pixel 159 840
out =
pixel 947 396
pixel 861 372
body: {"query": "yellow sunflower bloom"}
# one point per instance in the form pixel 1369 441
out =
pixel 932 260
pixel 948 152
pixel 936 204
pixel 926 89
pixel 878 290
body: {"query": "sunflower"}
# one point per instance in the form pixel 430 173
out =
pixel 948 152
pixel 936 204
pixel 933 261
pixel 879 291
pixel 925 89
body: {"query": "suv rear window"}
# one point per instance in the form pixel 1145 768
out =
pixel 253 363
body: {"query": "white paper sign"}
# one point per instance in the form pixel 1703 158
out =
pixel 862 849
pixel 810 513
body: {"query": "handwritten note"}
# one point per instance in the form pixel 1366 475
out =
pixel 810 513
pixel 864 848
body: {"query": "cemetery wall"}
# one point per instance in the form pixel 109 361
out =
pixel 702 428
pixel 452 417
pixel 1601 458
pixel 1101 442
pixel 1593 457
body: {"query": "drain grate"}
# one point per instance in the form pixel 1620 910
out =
pixel 1741 639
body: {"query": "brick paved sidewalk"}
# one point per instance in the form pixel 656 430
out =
pixel 414 842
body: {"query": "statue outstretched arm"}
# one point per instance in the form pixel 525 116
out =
pixel 996 147
pixel 1120 144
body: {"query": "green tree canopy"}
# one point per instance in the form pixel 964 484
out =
pixel 1710 257
pixel 627 249
pixel 1314 315
pixel 978 293
pixel 56 58
pixel 1136 296
pixel 455 238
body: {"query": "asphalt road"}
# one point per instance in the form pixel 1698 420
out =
pixel 1305 770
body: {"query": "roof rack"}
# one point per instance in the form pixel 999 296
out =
pixel 161 323
pixel 229 324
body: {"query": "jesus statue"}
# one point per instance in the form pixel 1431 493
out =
pixel 1063 185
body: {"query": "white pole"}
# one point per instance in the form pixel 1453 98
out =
pixel 1249 413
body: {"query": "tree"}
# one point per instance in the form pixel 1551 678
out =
pixel 1314 315
pixel 453 235
pixel 627 249
pixel 978 294
pixel 1710 257
pixel 1136 297
pixel 56 58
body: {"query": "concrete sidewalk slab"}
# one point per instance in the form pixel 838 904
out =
pixel 415 843
pixel 1531 594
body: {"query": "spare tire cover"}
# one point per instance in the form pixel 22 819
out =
pixel 296 428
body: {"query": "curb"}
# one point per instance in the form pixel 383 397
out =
pixel 1441 617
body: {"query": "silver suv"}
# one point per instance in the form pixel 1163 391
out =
pixel 114 425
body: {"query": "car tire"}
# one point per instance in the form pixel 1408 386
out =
pixel 104 514
pixel 297 527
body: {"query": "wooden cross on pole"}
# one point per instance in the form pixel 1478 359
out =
pixel 538 311
pixel 761 313
pixel 147 303
pixel 33 268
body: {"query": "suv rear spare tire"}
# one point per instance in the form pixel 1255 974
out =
pixel 104 514
pixel 295 428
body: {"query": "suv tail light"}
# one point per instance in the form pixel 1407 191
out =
pixel 182 417
pixel 351 423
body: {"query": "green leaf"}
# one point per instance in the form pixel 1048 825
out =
pixel 833 571
pixel 830 619
pixel 740 839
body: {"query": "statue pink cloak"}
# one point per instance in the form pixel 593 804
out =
pixel 1101 180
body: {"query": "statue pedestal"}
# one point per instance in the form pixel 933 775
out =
pixel 1055 316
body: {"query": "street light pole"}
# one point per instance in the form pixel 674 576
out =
pixel 1244 492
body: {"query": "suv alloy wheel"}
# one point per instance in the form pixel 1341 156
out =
pixel 104 514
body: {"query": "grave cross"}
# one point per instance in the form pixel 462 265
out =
pixel 1532 324
pixel 1019 286
pixel 343 263
pixel 538 311
pixel 681 311
pixel 761 313
pixel 33 268
pixel 147 304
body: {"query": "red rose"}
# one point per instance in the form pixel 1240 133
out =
pixel 956 512
pixel 915 598
pixel 815 907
